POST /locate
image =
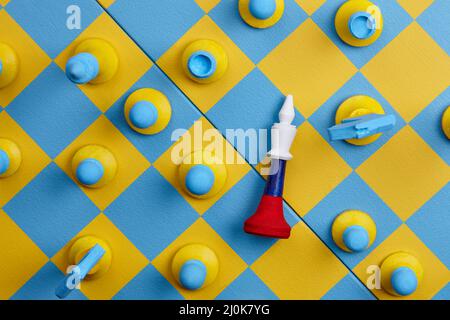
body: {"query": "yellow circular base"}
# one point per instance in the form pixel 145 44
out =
pixel 159 100
pixel 196 252
pixel 446 122
pixel 213 48
pixel 343 16
pixel 82 246
pixel 357 106
pixel 395 261
pixel 14 155
pixel 10 65
pixel 101 154
pixel 352 218
pixel 106 55
pixel 219 169
pixel 244 11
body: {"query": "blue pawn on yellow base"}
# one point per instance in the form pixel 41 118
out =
pixel 199 180
pixel 192 274
pixel 89 172
pixel 356 238
pixel 143 114
pixel 82 68
pixel 261 13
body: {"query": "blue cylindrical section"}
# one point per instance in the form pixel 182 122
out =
pixel 404 281
pixel 82 68
pixel 4 162
pixel 143 114
pixel 275 181
pixel 362 25
pixel 89 171
pixel 193 274
pixel 262 9
pixel 202 64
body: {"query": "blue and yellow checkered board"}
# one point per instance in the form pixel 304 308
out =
pixel 402 179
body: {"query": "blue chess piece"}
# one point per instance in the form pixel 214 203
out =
pixel 356 238
pixel 361 127
pixel 199 180
pixel 262 9
pixel 143 114
pixel 192 274
pixel 82 68
pixel 362 25
pixel 89 172
pixel 4 162
pixel 404 281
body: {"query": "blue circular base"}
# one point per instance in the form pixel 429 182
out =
pixel 356 238
pixel 202 64
pixel 143 114
pixel 4 162
pixel 262 9
pixel 192 274
pixel 362 25
pixel 404 281
pixel 89 172
pixel 199 179
pixel 82 68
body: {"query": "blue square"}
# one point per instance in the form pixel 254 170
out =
pixel 256 43
pixel 349 288
pixel 43 284
pixel 432 224
pixel 46 20
pixel 395 20
pixel 324 118
pixel 184 113
pixel 352 194
pixel 435 21
pixel 154 24
pixel 428 125
pixel 51 209
pixel 247 287
pixel 151 213
pixel 254 103
pixel 149 284
pixel 53 118
pixel 228 215
pixel 444 294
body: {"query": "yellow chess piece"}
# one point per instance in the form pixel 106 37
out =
pixel 10 158
pixel 9 65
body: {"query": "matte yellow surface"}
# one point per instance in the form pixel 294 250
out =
pixel 33 60
pixel 308 65
pixel 398 175
pixel 410 72
pixel 34 160
pixel 301 267
pixel 207 5
pixel 14 156
pixel 81 247
pixel 258 23
pixel 205 96
pixel 435 277
pixel 133 62
pixel 415 7
pixel 230 264
pixel 131 163
pixel 127 260
pixel 446 122
pixel 310 6
pixel 10 65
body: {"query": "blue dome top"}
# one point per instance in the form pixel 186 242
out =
pixel 404 281
pixel 362 25
pixel 82 68
pixel 199 180
pixel 262 9
pixel 4 162
pixel 192 274
pixel 89 171
pixel 202 64
pixel 356 238
pixel 143 114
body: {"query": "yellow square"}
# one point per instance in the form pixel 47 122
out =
pixel 230 264
pixel 32 58
pixel 133 63
pixel 308 65
pixel 301 267
pixel 131 164
pixel 167 163
pixel 21 257
pixel 415 7
pixel 34 159
pixel 315 170
pixel 436 275
pixel 127 260
pixel 106 3
pixel 4 2
pixel 410 72
pixel 205 96
pixel 405 172
pixel 207 5
pixel 310 6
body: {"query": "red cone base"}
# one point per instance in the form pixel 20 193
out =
pixel 268 220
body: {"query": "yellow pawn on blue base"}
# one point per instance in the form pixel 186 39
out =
pixel 353 231
pixel 147 111
pixel 94 166
pixel 195 266
pixel 261 14
pixel 10 158
pixel 446 123
pixel 9 65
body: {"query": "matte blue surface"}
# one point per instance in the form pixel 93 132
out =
pixel 352 193
pixel 324 118
pixel 82 68
pixel 192 274
pixel 42 286
pixel 183 115
pixel 395 19
pixel 51 210
pixel 199 180
pixel 247 287
pixel 143 114
pixel 404 281
pixel 89 171
pixel 435 22
pixel 45 21
pixel 262 9
pixel 149 284
pixel 256 43
pixel 362 25
pixel 53 118
pixel 151 213
pixel 170 19
pixel 356 238
pixel 428 125
pixel 202 64
pixel 349 288
pixel 275 182
pixel 4 162
pixel 444 294
pixel 254 103
pixel 431 224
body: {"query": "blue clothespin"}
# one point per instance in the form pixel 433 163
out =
pixel 79 272
pixel 361 127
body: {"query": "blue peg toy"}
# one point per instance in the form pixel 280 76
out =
pixel 143 114
pixel 202 64
pixel 404 281
pixel 361 127
pixel 4 162
pixel 192 274
pixel 199 180
pixel 82 68
pixel 262 9
pixel 362 25
pixel 89 171
pixel 356 238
